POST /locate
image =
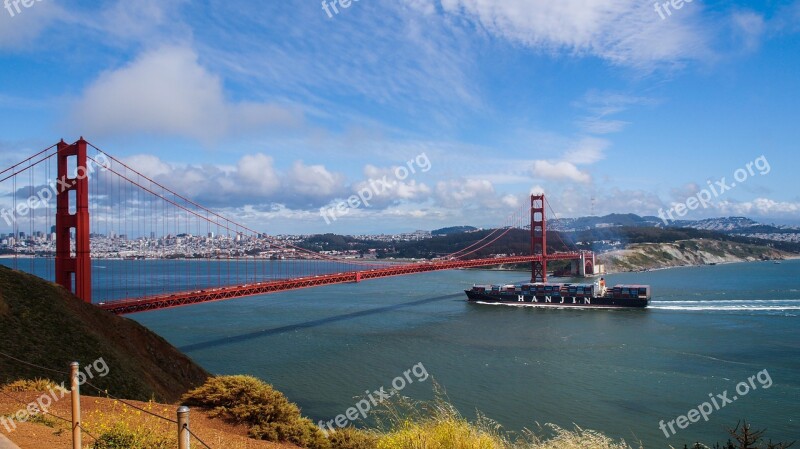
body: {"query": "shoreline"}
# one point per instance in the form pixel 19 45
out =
pixel 795 257
pixel 704 265
pixel 401 261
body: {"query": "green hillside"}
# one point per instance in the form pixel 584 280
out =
pixel 43 324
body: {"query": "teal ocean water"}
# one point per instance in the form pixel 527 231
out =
pixel 618 371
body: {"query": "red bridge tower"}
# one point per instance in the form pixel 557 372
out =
pixel 73 273
pixel 538 238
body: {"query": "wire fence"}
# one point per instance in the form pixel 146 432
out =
pixel 75 422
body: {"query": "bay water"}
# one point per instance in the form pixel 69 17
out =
pixel 617 371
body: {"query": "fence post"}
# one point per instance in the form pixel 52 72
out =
pixel 76 406
pixel 183 427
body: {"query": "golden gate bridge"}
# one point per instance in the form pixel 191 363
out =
pixel 98 195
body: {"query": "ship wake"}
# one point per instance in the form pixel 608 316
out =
pixel 758 305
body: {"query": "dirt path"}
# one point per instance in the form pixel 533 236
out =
pixel 99 414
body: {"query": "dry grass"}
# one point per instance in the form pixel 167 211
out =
pixel 402 423
pixel 114 422
pixel 37 384
pixel 407 424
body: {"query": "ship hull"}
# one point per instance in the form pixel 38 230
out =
pixel 554 301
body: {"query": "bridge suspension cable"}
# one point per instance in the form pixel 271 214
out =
pixel 150 247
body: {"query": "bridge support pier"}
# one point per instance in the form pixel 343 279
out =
pixel 585 266
pixel 538 238
pixel 73 273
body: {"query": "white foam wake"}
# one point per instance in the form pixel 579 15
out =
pixel 764 305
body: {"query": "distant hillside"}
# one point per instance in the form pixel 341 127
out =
pixel 517 241
pixel 44 324
pixel 727 225
pixel 453 230
pixel 647 256
pixel 613 220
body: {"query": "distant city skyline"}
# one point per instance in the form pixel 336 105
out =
pixel 389 117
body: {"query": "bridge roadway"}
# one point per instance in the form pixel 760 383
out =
pixel 166 301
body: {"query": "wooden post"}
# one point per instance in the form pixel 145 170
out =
pixel 76 406
pixel 183 428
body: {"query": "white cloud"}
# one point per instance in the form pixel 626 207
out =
pixel 426 7
pixel 787 19
pixel 314 181
pixel 253 181
pixel 749 28
pixel 141 20
pixel 468 194
pixel 627 32
pixel 118 22
pixel 599 126
pixel 601 105
pixel 537 190
pixel 588 150
pixel 22 30
pixel 574 201
pixel 559 171
pixel 510 201
pixel 257 170
pixel 166 91
pixel 411 61
pixel 409 189
pixel 147 163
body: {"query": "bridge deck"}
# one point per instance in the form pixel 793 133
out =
pixel 158 302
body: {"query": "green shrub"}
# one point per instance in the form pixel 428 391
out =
pixel 267 412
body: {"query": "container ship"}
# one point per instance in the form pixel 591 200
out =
pixel 540 294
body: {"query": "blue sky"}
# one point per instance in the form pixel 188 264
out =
pixel 268 111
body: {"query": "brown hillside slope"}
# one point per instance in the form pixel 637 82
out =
pixel 42 323
pixel 100 414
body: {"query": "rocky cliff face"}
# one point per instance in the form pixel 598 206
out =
pixel 649 256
